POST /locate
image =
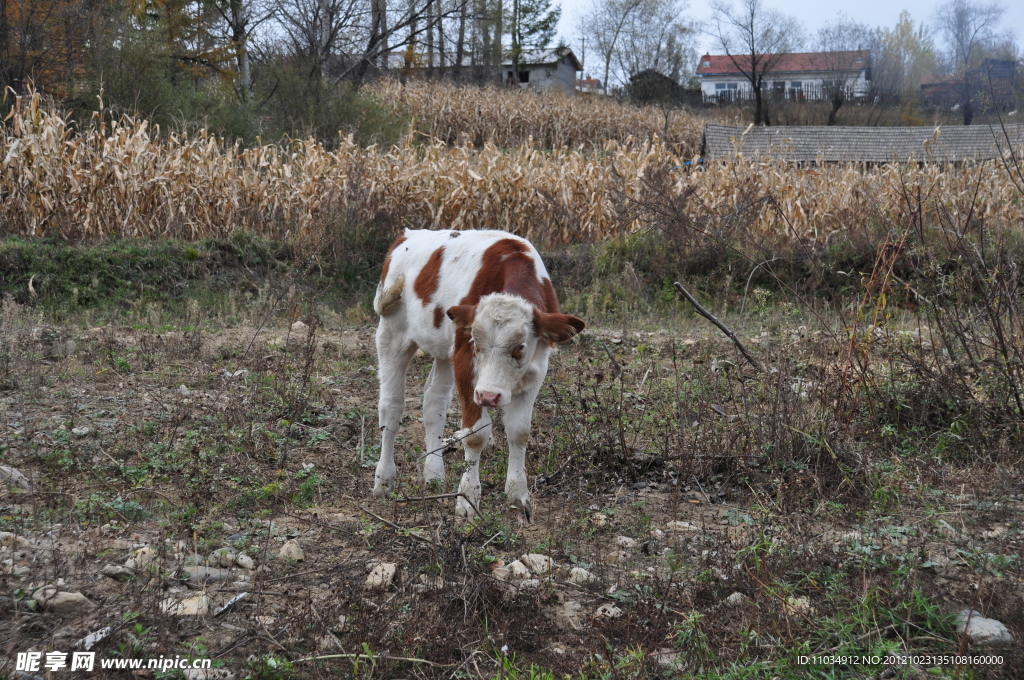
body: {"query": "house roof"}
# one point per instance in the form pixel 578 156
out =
pixel 861 144
pixel 942 79
pixel 396 59
pixel 545 57
pixel 798 62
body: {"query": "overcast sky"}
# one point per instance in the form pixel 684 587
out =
pixel 813 14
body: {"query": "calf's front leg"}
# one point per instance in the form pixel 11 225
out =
pixel 518 416
pixel 393 357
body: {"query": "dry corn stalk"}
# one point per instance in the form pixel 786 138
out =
pixel 125 179
pixel 510 117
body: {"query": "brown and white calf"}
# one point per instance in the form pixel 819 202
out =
pixel 482 305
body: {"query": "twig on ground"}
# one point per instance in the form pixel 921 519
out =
pixel 398 527
pixel 373 657
pixel 721 326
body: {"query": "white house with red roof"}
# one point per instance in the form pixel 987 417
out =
pixel 790 76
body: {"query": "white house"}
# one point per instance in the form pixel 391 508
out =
pixel 553 69
pixel 792 76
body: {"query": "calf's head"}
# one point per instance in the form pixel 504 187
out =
pixel 505 332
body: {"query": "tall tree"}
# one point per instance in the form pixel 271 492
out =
pixel 968 27
pixel 532 25
pixel 840 44
pixel 901 57
pixel 242 17
pixel 44 41
pixel 605 23
pixel 755 39
pixel 658 37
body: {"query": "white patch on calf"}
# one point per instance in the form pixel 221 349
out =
pixel 504 345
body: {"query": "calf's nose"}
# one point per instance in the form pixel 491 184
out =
pixel 488 398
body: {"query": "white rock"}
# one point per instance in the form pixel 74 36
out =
pixel 582 577
pixel 736 599
pixel 9 540
pixel 530 584
pixel 51 599
pixel 223 557
pixel 184 391
pixel 116 572
pixel 609 611
pixel 208 674
pixel 244 561
pixel 291 550
pixel 996 531
pixel 299 327
pixel 382 576
pixel 192 606
pixel 678 526
pixel 617 556
pixel 537 563
pixel 625 542
pixel 14 477
pixel 81 431
pixel 199 573
pixel 428 583
pixel 982 631
pixel 657 534
pixel 501 573
pixel 342 626
pixel 800 606
pixel 90 640
pixel 569 617
pixel 144 559
pixel 518 571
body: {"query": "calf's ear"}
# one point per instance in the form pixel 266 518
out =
pixel 462 315
pixel 557 327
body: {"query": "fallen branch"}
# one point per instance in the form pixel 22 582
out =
pixel 721 326
pixel 369 657
pixel 398 527
pixel 404 501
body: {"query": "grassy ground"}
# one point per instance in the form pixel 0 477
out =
pixel 847 491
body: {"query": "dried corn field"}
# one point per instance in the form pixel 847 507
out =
pixel 126 179
pixel 506 117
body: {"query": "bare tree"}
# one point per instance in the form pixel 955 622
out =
pixel 969 27
pixel 656 36
pixel 605 23
pixel 755 39
pixel 842 45
pixel 242 18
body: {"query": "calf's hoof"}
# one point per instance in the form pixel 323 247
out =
pixel 524 510
pixel 464 509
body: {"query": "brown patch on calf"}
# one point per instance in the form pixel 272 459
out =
pixel 507 267
pixel 462 363
pixel 554 328
pixel 426 281
pixel 438 317
pixel 547 294
pixel 462 315
pixel 387 259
